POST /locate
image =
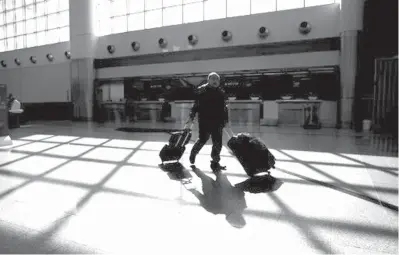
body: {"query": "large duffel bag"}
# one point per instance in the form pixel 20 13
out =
pixel 251 152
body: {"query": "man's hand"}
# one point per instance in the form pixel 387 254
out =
pixel 188 123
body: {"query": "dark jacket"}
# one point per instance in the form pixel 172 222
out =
pixel 210 104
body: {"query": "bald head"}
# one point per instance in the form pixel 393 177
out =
pixel 214 79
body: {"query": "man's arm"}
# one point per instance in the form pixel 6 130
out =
pixel 194 109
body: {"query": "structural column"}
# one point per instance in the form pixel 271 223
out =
pixel 83 43
pixel 351 25
pixel 5 138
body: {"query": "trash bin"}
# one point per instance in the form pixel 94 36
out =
pixel 13 120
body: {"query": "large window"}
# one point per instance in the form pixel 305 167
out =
pixel 30 23
pixel 118 16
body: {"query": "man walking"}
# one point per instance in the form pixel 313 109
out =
pixel 210 105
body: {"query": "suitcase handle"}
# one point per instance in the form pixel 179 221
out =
pixel 184 141
pixel 187 130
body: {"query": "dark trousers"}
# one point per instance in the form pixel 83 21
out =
pixel 204 133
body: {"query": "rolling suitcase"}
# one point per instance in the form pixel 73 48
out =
pixel 174 150
pixel 251 152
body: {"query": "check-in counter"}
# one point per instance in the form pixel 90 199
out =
pixel 240 111
pixel 291 112
pixel 244 111
pixel 181 109
pixel 113 104
pixel 114 110
pixel 148 110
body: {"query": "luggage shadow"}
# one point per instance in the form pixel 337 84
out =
pixel 260 184
pixel 221 197
pixel 176 171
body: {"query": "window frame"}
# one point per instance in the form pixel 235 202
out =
pixel 26 13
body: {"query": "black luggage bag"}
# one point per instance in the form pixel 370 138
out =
pixel 176 147
pixel 251 152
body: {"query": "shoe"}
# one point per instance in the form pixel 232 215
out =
pixel 215 166
pixel 192 159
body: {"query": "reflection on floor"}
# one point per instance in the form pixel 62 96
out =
pixel 78 188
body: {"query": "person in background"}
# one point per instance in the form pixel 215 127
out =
pixel 10 100
pixel 210 104
pixel 14 112
pixel 99 109
pixel 129 109
pixel 14 106
pixel 166 110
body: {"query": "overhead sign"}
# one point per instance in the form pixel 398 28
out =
pixel 231 84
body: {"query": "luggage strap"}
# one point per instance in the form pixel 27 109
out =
pixel 229 131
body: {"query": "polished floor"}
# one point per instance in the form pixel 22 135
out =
pixel 82 188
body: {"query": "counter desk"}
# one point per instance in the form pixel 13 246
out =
pixel 181 109
pixel 143 110
pixel 148 110
pixel 113 110
pixel 240 111
pixel 244 112
pixel 292 112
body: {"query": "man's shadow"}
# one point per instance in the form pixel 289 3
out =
pixel 220 197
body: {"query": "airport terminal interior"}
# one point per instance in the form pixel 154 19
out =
pixel 91 91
